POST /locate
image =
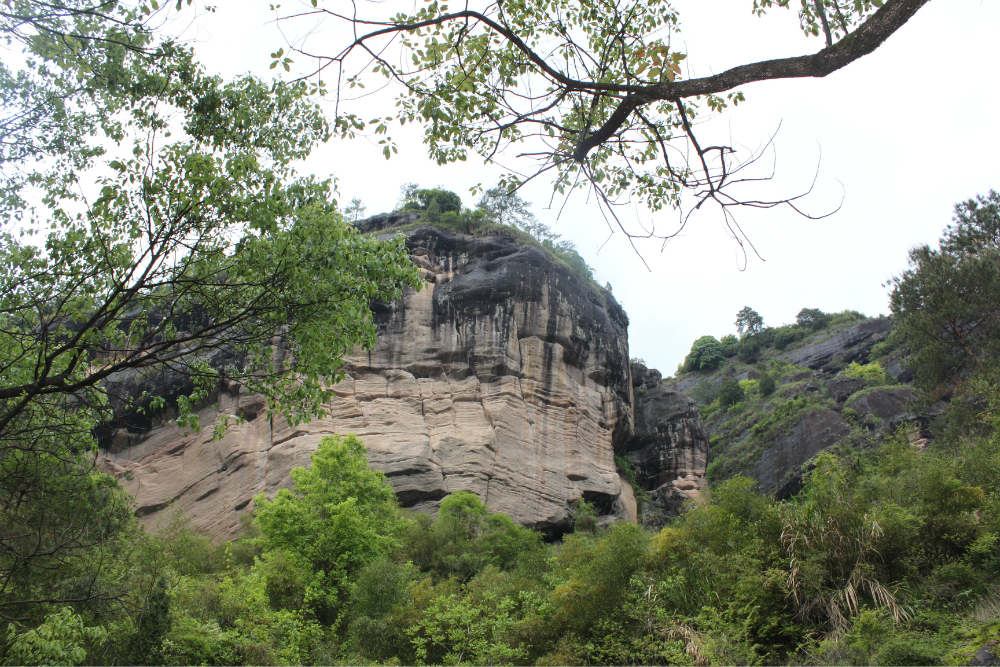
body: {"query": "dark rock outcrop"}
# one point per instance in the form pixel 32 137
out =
pixel 670 446
pixel 670 441
pixel 644 379
pixel 842 387
pixel 777 471
pixel 830 351
pixel 988 655
pixel 885 409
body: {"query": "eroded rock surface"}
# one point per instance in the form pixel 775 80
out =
pixel 885 409
pixel 841 387
pixel 832 350
pixel 506 375
pixel 670 447
pixel 777 471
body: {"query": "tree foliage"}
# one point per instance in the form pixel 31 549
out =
pixel 594 92
pixel 749 322
pixel 766 384
pixel 339 516
pixel 888 552
pixel 812 318
pixel 60 640
pixel 435 200
pixel 154 227
pixel 706 353
pixel 730 393
pixel 507 208
pixel 948 301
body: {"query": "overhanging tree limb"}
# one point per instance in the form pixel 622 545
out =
pixel 872 34
pixel 593 87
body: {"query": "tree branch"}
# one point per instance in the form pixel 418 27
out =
pixel 868 37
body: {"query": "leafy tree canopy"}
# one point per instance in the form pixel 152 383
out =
pixel 706 353
pixel 507 208
pixel 749 322
pixel 437 199
pixel 154 225
pixel 339 516
pixel 947 301
pixel 812 318
pixel 731 392
pixel 593 92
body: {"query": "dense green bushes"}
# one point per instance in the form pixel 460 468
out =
pixel 730 393
pixel 706 354
pixel 888 554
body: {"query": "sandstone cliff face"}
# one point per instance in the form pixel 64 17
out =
pixel 506 375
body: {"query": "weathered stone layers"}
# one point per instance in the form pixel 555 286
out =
pixel 669 450
pixel 506 375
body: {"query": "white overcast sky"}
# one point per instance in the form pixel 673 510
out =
pixel 905 133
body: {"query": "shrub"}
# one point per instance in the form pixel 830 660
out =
pixel 382 586
pixel 844 317
pixel 706 354
pixel 436 200
pixel 595 575
pixel 730 393
pixel 750 346
pixel 812 318
pixel 784 336
pixel 750 387
pixel 705 391
pixel 584 517
pixel 872 373
pixel 766 385
pixel 466 538
pixel 730 346
pixel 60 640
pixel 566 251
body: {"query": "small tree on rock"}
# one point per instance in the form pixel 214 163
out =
pixel 812 318
pixel 731 392
pixel 766 384
pixel 749 322
pixel 705 354
pixel 355 210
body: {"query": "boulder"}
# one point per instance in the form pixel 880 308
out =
pixel 840 388
pixel 885 409
pixel 644 379
pixel 777 470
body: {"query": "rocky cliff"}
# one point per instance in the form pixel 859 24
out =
pixel 506 375
pixel 670 447
pixel 815 406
